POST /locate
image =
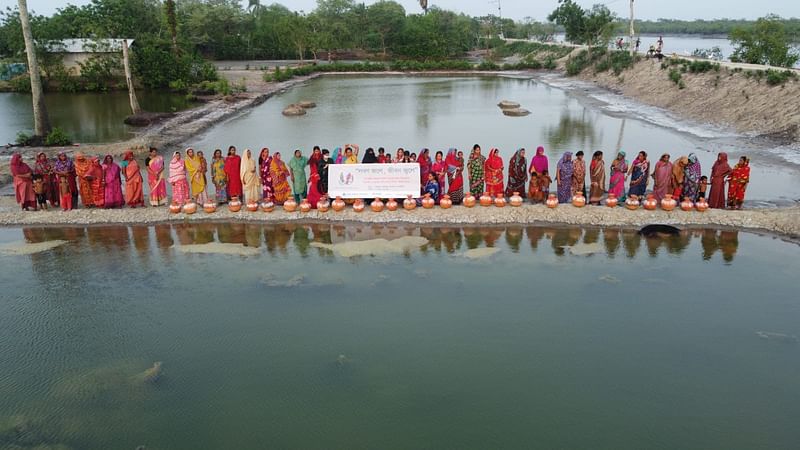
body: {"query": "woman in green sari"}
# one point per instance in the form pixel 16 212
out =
pixel 297 167
pixel 476 171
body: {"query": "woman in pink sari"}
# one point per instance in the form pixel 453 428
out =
pixel 616 183
pixel 177 178
pixel 539 162
pixel 662 177
pixel 23 183
pixel 439 168
pixel 112 179
pixel 494 173
pixel 155 178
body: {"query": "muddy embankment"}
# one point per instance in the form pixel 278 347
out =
pixel 733 96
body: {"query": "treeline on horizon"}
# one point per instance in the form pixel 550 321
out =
pixel 706 27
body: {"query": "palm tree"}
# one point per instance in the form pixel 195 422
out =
pixel 41 121
pixel 253 6
pixel 424 5
pixel 172 23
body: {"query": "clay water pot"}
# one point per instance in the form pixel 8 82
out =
pixel 338 204
pixel 650 203
pixel 500 201
pixel 409 203
pixel 515 200
pixel 701 205
pixel 612 201
pixel 174 207
pixel 376 205
pixel 486 199
pixel 428 202
pixel 469 200
pixel 552 201
pixel 578 200
pixel 323 205
pixel 358 205
pixel 290 205
pixel 305 205
pixel 632 202
pixel 267 206
pixel 392 205
pixel 445 202
pixel 210 207
pixel 190 207
pixel 687 205
pixel 235 205
pixel 668 203
pixel 252 206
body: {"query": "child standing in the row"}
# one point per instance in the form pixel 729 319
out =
pixel 66 193
pixel 40 190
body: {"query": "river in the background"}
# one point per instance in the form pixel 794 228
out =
pixel 647 343
pixel 88 117
pixel 441 112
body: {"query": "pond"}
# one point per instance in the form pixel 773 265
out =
pixel 441 112
pixel 616 342
pixel 88 117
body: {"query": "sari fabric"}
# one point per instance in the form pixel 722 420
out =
pixel 539 162
pixel 517 174
pixel 220 179
pixel 196 178
pixel 439 168
pixel 265 176
pixel 616 183
pixel 494 173
pixel 299 181
pixel 322 171
pixel 720 171
pixel 476 173
pixel 280 183
pixel 66 170
pixel 83 167
pixel 98 193
pixel 177 178
pixel 44 167
pixel 455 178
pixel 425 166
pixel 232 167
pixel 432 188
pixel 679 177
pixel 565 171
pixel 314 194
pixel 112 175
pixel 134 195
pixel 737 188
pixel 578 175
pixel 639 175
pixel 662 180
pixel 23 185
pixel 156 181
pixel 691 184
pixel 597 178
pixel 249 177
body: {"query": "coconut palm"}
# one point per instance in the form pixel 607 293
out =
pixel 424 5
pixel 41 121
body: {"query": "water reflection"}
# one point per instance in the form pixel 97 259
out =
pixel 285 238
pixel 576 131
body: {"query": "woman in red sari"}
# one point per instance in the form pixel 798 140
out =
pixel 740 177
pixel 424 161
pixel 233 165
pixel 719 172
pixel 98 181
pixel 455 178
pixel 439 168
pixel 494 173
pixel 314 195
pixel 44 167
pixel 23 183
pixel 134 195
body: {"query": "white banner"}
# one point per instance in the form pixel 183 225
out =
pixel 396 181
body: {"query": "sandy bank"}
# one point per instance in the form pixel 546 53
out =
pixel 725 98
pixel 783 221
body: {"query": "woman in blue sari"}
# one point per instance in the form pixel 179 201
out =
pixel 564 178
pixel 432 188
pixel 639 173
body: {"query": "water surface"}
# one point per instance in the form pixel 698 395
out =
pixel 645 344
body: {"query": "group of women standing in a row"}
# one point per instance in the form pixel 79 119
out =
pixel 269 177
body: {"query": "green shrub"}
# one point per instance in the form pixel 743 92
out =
pixel 488 65
pixel 675 75
pixel 550 63
pixel 702 66
pixel 57 138
pixel 576 64
pixel 23 138
pixel 178 86
pixel 603 65
pixel 777 77
pixel 621 60
pixel 20 84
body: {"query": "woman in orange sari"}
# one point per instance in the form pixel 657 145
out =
pixel 597 176
pixel 280 176
pixel 155 178
pixel 98 183
pixel 494 173
pixel 740 177
pixel 134 195
pixel 83 166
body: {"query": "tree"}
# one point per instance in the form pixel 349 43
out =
pixel 41 120
pixel 589 27
pixel 172 23
pixel 765 42
pixel 386 19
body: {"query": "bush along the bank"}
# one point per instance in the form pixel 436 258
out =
pixel 55 138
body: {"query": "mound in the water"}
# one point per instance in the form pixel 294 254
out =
pixel 306 104
pixel 374 247
pixel 516 112
pixel 659 231
pixel 294 110
pixel 508 104
pixel 219 248
pixel 24 248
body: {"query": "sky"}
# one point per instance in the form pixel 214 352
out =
pixel 538 9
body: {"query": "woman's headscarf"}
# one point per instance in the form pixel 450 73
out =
pixel 66 165
pixel 565 163
pixel 693 170
pixel 720 166
pixel 539 162
pixel 678 169
pixel 369 157
pixel 176 168
pixel 336 157
pixel 452 161
pixel 494 161
pixel 17 166
pixel 248 163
